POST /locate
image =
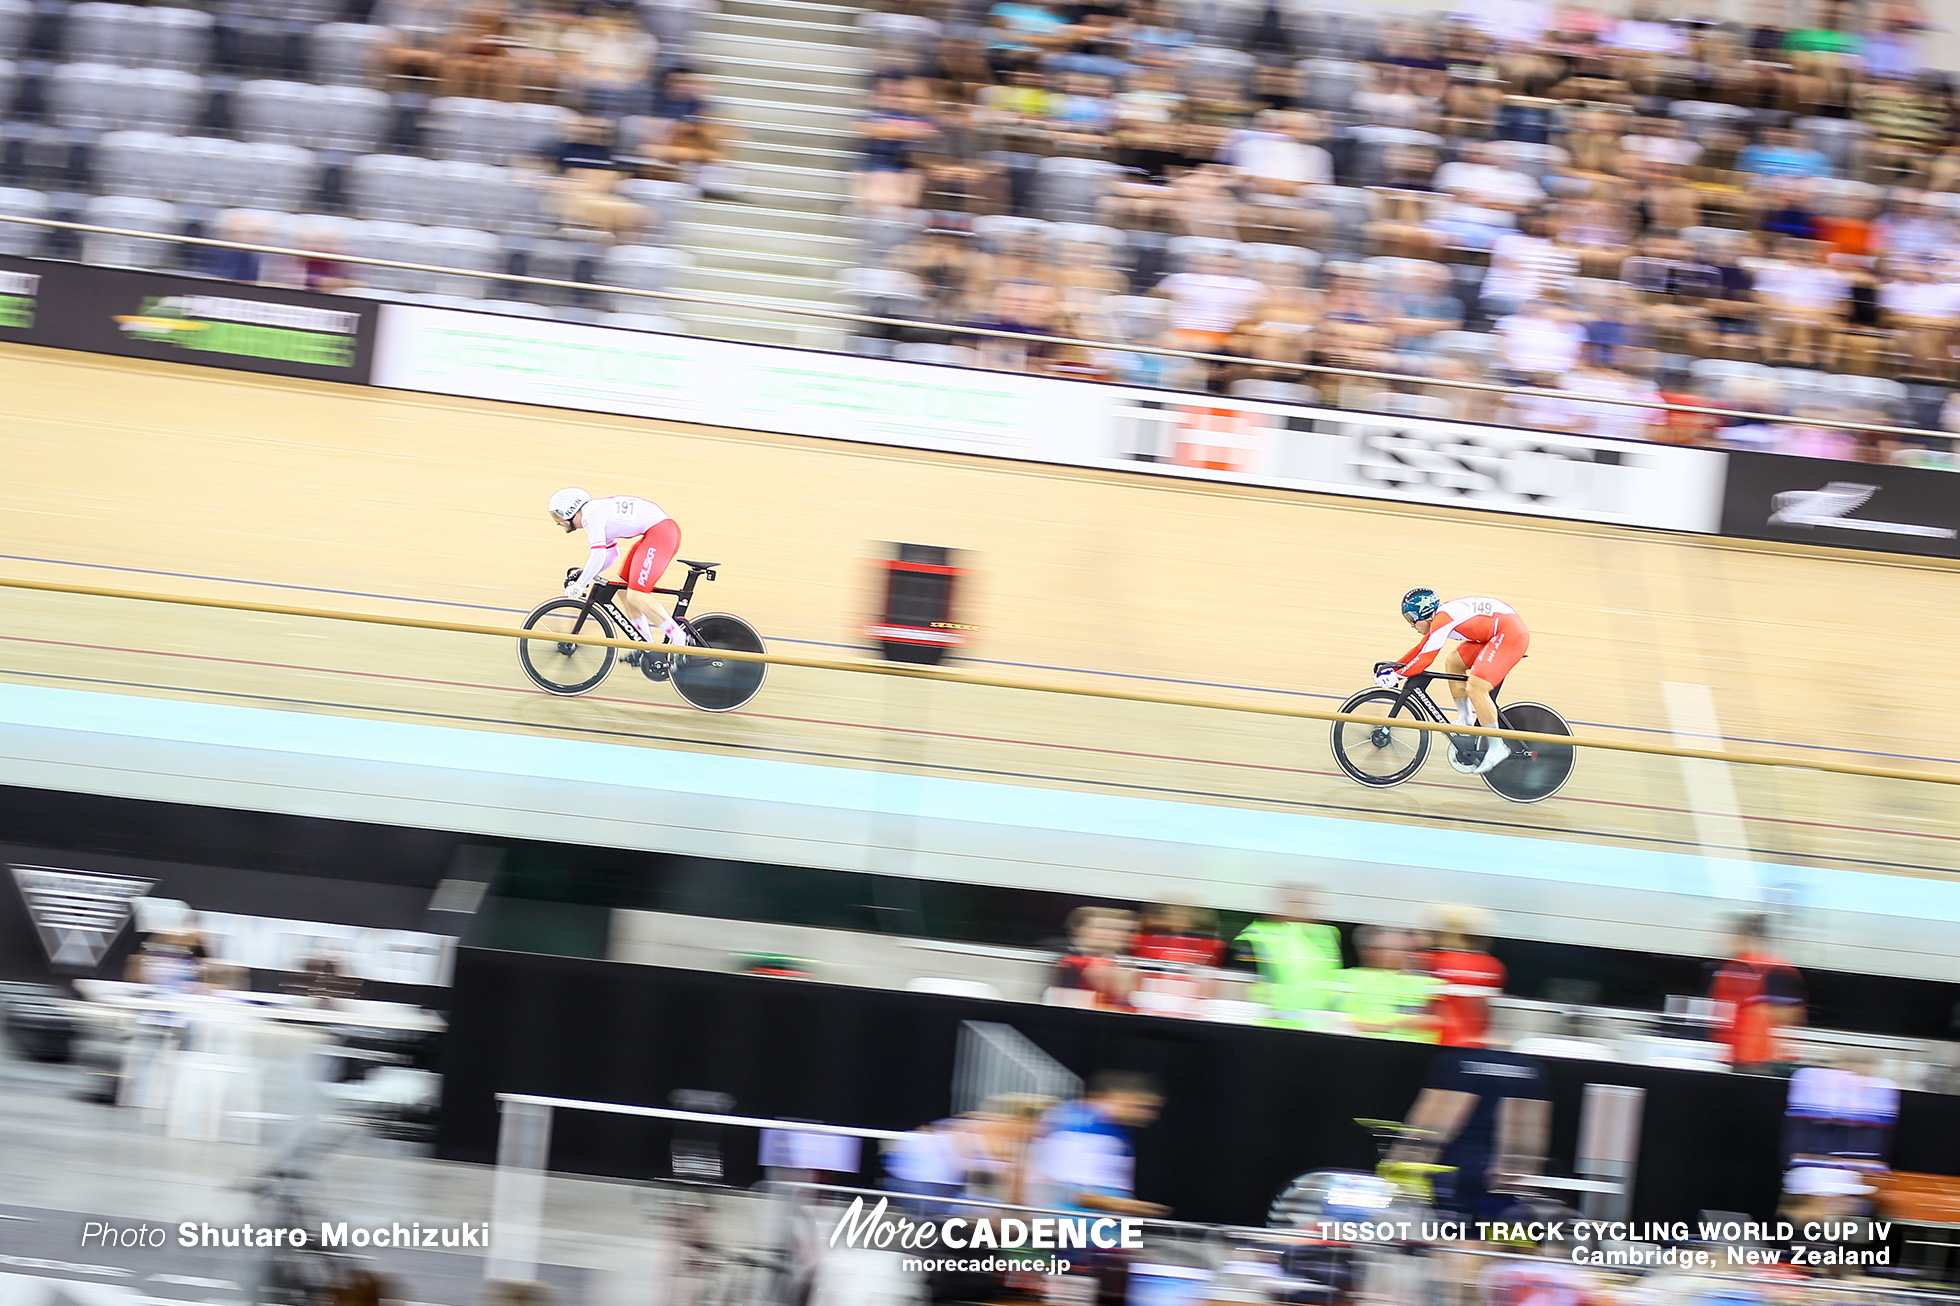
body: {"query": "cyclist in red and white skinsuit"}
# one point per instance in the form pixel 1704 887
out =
pixel 610 522
pixel 1475 637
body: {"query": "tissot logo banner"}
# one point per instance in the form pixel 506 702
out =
pixel 1843 505
pixel 1449 463
pixel 186 320
pixel 78 914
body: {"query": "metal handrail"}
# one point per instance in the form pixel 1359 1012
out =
pixel 871 319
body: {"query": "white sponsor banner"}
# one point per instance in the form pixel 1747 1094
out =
pixel 1455 464
pixel 274 943
pixel 963 410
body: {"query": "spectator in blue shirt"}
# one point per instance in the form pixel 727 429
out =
pixel 1083 1159
pixel 1781 154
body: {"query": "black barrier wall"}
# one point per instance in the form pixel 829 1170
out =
pixel 1247 1107
pixel 1843 505
pixel 187 320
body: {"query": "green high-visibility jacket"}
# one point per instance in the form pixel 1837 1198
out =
pixel 1298 962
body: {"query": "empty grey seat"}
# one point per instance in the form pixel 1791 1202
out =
pixel 998 231
pixel 179 38
pixel 662 198
pixel 91 32
pixel 642 267
pixel 17 238
pixel 529 128
pixel 400 241
pixel 468 194
pixel 1138 319
pixel 389 187
pixel 137 163
pixel 461 247
pixel 9 79
pixel 167 100
pixel 275 176
pixel 559 260
pixel 16 18
pixel 270 110
pixel 1210 63
pixel 1071 190
pixel 352 118
pixel 87 95
pixel 202 169
pixel 674 24
pixel 1330 83
pixel 135 214
pixel 462 128
pixel 1183 249
pixel 345 54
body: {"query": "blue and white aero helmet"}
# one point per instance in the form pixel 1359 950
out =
pixel 1420 604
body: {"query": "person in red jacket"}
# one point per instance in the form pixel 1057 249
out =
pixel 1756 993
pixel 1471 977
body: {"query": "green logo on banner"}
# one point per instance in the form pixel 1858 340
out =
pixel 18 294
pixel 246 328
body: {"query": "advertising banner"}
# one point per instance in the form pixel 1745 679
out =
pixel 1452 464
pixel 717 383
pixel 1843 505
pixel 186 320
pixel 961 410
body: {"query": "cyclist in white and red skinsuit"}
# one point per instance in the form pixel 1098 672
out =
pixel 608 523
pixel 1481 639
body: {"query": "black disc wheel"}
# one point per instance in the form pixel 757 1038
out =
pixel 1534 771
pixel 719 684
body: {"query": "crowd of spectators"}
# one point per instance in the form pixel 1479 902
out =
pixel 1422 986
pixel 1756 216
pixel 1431 985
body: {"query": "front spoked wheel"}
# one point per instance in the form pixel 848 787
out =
pixel 719 684
pixel 560 666
pixel 1386 750
pixel 1533 772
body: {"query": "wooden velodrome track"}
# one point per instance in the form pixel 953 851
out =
pixel 190 480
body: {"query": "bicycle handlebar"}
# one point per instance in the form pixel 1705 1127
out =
pixel 1420 675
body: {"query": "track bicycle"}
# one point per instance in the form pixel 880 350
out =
pixel 568 668
pixel 1382 754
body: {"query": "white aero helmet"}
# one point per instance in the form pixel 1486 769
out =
pixel 565 504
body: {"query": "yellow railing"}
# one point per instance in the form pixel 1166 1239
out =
pixel 958 676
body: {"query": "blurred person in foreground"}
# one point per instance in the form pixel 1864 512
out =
pixel 977 1154
pixel 1484 1113
pixel 1470 976
pixel 1756 994
pixel 1083 1158
pixel 1384 995
pixel 1091 971
pixel 1298 958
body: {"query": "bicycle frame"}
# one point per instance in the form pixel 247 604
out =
pixel 1415 696
pixel 604 592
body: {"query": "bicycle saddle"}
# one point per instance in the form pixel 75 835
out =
pixel 697 566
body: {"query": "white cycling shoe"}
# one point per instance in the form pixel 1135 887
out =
pixel 1496 751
